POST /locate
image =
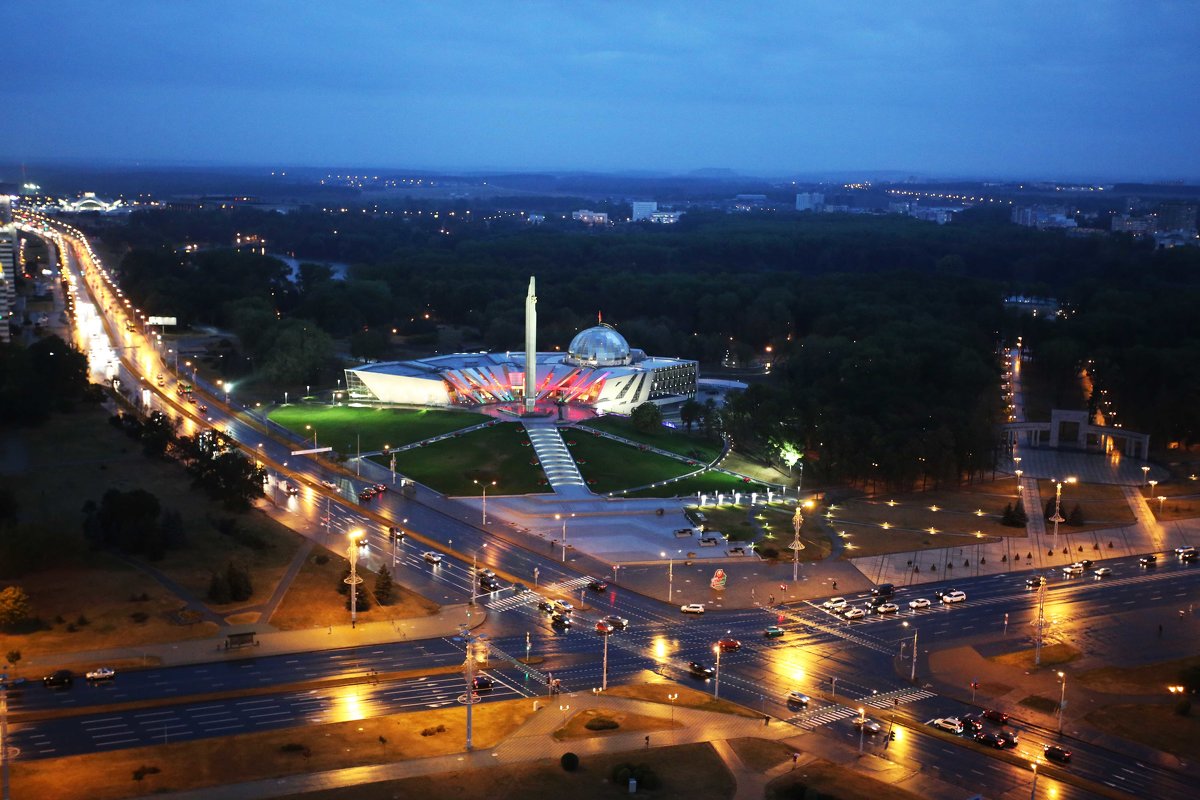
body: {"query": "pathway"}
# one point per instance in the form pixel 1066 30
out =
pixel 555 459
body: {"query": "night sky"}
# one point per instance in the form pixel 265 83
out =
pixel 1095 89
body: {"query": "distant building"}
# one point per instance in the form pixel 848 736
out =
pixel 1044 307
pixel 642 209
pixel 590 217
pixel 1139 226
pixel 1176 217
pixel 810 201
pixel 88 201
pixel 535 219
pixel 749 202
pixel 665 217
pixel 1043 217
pixel 8 261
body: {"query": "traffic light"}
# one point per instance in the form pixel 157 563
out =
pixel 891 736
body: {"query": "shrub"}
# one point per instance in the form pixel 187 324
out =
pixel 139 617
pixel 320 559
pixel 602 724
pixel 569 761
pixel 292 747
pixel 621 774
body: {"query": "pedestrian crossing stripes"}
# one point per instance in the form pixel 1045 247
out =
pixel 898 697
pixel 512 601
pixel 813 720
pixel 569 585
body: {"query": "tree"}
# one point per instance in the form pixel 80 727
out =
pixel 15 607
pixel 240 587
pixel 690 413
pixel 12 657
pixel 218 588
pixel 646 417
pixel 1075 518
pixel 384 586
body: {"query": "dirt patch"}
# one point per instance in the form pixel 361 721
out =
pixel 245 618
pixel 760 755
pixel 1155 725
pixel 256 756
pixel 825 777
pixel 687 698
pixel 1039 703
pixel 1144 679
pixel 313 600
pixel 690 771
pixel 1052 655
pixel 626 722
pixel 1102 505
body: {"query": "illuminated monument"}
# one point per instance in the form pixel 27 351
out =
pixel 599 371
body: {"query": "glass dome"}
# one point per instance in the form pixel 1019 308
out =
pixel 600 346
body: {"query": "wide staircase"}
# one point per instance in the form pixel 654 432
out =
pixel 556 460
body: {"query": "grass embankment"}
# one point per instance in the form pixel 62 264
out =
pixel 1052 656
pixel 602 720
pixel 608 466
pixel 1102 505
pixel 831 780
pixel 709 483
pixel 694 445
pixel 257 756
pixel 92 600
pixel 500 453
pixel 347 428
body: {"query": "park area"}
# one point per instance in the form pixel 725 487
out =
pixel 347 429
pixel 695 446
pixel 610 466
pixel 500 453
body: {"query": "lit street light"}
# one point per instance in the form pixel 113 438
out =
pixel 483 484
pixel 1145 475
pixel 670 575
pixel 1162 498
pixel 353 580
pixel 1062 700
pixel 563 517
pixel 717 676
pixel 673 697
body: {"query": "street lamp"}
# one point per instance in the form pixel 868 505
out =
pixel 1062 699
pixel 1162 498
pixel 353 580
pixel 913 674
pixel 862 728
pixel 797 545
pixel 717 677
pixel 673 697
pixel 604 670
pixel 563 517
pixel 1058 517
pixel 314 433
pixel 484 484
pixel 1033 791
pixel 1145 474
pixel 670 575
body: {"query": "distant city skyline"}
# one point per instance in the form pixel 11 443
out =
pixel 1071 90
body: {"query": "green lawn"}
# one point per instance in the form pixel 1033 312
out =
pixel 708 483
pixel 608 466
pixel 338 426
pixel 673 441
pixel 501 453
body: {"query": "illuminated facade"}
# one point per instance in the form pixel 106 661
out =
pixel 599 371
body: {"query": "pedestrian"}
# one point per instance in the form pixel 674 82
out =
pixel 1160 630
pixel 647 741
pixel 795 758
pixel 835 586
pixel 766 720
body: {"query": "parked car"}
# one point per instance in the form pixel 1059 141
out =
pixel 971 722
pixel 1148 561
pixel 1011 737
pixel 998 717
pixel 59 679
pixel 920 602
pixel 698 670
pixel 949 724
pixel 834 604
pixel 773 632
pixel 1055 753
pixel 954 597
pixel 854 613
pixel 990 739
pixel 729 645
pixel 692 608
pixel 619 623
pixel 796 698
pixel 887 608
pixel 101 674
pixel 598 586
pixel 432 557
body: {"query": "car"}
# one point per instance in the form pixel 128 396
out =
pixel 489 584
pixel 884 590
pixel 773 632
pixel 1073 569
pixel 487 573
pixel 998 717
pixel 604 627
pixel 619 623
pixel 834 604
pixel 1102 572
pixel 432 557
pixel 867 724
pixel 59 679
pixel 546 605
pixel 971 722
pixel 1188 557
pixel 854 613
pixel 290 489
pixel 202 408
pixel 698 670
pixel 560 620
pixel 482 683
pixel 1148 561
pixel 564 606
pixel 1086 563
pixel 920 602
pixel 1187 548
pixel 875 601
pixel 1010 737
pixel 1055 753
pixel 949 724
pixel 795 698
pixel 598 586
pixel 101 674
pixel 887 608
pixel 990 739
pixel 366 495
pixel 329 485
pixel 954 597
pixel 380 488
pixel 692 608
pixel 729 645
pixel 1035 581
pixel 943 592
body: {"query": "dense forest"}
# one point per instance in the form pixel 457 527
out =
pixel 884 330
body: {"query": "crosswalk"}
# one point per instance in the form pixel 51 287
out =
pixel 512 601
pixel 898 697
pixel 811 720
pixel 571 585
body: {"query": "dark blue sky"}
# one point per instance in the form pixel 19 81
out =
pixel 1030 89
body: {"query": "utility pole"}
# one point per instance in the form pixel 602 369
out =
pixel 1041 624
pixel 604 673
pixel 469 671
pixel 913 675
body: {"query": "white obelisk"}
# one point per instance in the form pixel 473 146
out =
pixel 530 347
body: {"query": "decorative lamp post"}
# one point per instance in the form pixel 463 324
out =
pixel 797 545
pixel 1062 699
pixel 354 580
pixel 1145 474
pixel 670 575
pixel 483 484
pixel 717 677
pixel 1162 498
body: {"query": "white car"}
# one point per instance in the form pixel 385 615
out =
pixel 854 613
pixel 564 606
pixel 1187 548
pixel 329 485
pixel 692 608
pixel 834 604
pixel 867 724
pixel 920 602
pixel 798 699
pixel 1102 572
pixel 949 724
pixel 1074 569
pixel 432 557
pixel 954 597
pixel 887 608
pixel 102 674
